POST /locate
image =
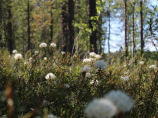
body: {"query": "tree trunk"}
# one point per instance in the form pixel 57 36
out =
pixel 51 26
pixel 109 29
pixel 1 44
pixel 65 26
pixel 10 40
pixel 125 23
pixel 28 25
pixel 92 13
pixel 133 49
pixel 141 28
pixel 71 39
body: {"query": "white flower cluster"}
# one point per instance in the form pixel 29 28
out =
pixel 14 51
pixel 141 62
pixel 45 58
pixel 51 116
pixel 122 101
pixel 100 65
pixel 86 68
pixel 88 75
pixel 94 81
pixel 110 105
pixel 18 56
pixel 152 67
pixel 62 52
pixel 87 60
pixel 36 52
pixel 100 108
pixel 53 45
pixel 43 45
pixel 125 78
pixel 50 76
pixel 93 54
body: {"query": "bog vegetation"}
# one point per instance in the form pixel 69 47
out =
pixel 53 62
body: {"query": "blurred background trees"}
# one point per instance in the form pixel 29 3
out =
pixel 76 25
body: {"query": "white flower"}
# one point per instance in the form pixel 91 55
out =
pixel 18 56
pixel 36 52
pixel 88 75
pixel 141 62
pixel 127 72
pixel 94 81
pixel 43 45
pixel 67 85
pixel 14 51
pixel 45 58
pixel 53 45
pixel 125 78
pixel 51 116
pixel 100 108
pixel 87 60
pixel 152 67
pixel 86 68
pixel 30 59
pixel 92 54
pixel 100 65
pixel 122 101
pixel 62 52
pixel 97 56
pixel 45 103
pixel 50 76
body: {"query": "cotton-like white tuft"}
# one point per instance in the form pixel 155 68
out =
pixel 43 45
pixel 50 76
pixel 18 56
pixel 100 108
pixel 14 51
pixel 122 101
pixel 53 45
pixel 152 67
pixel 100 65
pixel 86 68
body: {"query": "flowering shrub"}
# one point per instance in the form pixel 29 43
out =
pixel 57 87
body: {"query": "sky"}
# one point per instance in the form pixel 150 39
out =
pixel 118 40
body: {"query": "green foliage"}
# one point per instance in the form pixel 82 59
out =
pixel 70 91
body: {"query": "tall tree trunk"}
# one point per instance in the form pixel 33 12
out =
pixel 65 26
pixel 1 45
pixel 109 29
pixel 141 28
pixel 133 42
pixel 125 23
pixel 71 41
pixel 51 26
pixel 10 40
pixel 99 34
pixel 92 13
pixel 28 24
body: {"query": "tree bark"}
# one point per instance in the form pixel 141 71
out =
pixel 92 13
pixel 125 23
pixel 109 29
pixel 28 24
pixel 133 41
pixel 10 40
pixel 71 39
pixel 51 26
pixel 1 45
pixel 65 26
pixel 141 28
